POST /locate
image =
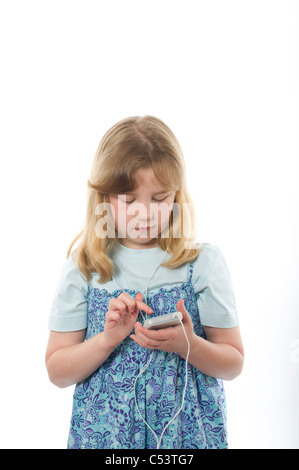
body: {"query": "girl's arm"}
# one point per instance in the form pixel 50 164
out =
pixel 70 359
pixel 220 355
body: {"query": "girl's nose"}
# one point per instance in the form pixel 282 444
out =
pixel 144 212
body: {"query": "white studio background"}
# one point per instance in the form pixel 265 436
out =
pixel 224 76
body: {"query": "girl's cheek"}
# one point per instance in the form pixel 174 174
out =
pixel 121 218
pixel 164 212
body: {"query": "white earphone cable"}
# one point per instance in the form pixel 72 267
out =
pixel 159 440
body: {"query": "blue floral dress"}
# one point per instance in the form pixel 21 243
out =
pixel 105 415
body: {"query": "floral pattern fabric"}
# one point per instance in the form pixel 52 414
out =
pixel 105 415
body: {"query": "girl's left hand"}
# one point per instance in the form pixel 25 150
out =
pixel 170 339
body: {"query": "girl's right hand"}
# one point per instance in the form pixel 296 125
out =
pixel 121 318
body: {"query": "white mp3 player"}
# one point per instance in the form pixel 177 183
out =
pixel 163 321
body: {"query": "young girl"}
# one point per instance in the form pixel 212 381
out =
pixel 136 258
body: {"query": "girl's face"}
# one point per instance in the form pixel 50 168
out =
pixel 143 213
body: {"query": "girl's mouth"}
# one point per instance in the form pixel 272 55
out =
pixel 143 228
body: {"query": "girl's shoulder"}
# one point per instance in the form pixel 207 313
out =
pixel 68 311
pixel 209 265
pixel 213 284
pixel 207 254
pixel 71 275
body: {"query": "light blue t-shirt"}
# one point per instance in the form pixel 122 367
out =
pixel 135 269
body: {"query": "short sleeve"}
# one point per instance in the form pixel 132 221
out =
pixel 69 306
pixel 214 289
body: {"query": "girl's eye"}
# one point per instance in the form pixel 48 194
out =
pixel 129 201
pixel 159 200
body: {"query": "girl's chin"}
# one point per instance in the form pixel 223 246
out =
pixel 147 233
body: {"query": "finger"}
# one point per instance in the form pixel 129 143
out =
pixel 181 308
pixel 128 301
pixel 123 306
pixel 131 303
pixel 141 305
pixel 139 295
pixel 144 307
pixel 118 305
pixel 140 343
pixel 113 316
pixel 154 335
pixel 139 339
pixel 149 340
pixel 133 337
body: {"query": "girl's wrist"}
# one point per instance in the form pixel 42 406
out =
pixel 105 344
pixel 193 341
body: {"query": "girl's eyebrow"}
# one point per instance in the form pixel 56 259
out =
pixel 160 192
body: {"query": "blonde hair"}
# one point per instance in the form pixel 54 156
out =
pixel 132 144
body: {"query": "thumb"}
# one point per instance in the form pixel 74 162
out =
pixel 181 308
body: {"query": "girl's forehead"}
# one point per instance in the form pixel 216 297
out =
pixel 146 178
pixel 127 179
